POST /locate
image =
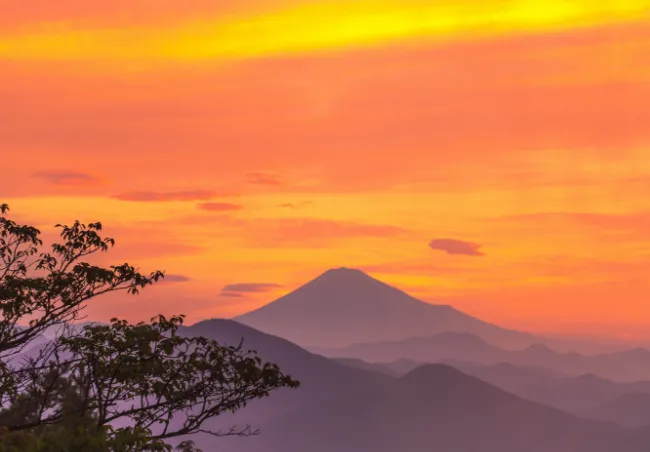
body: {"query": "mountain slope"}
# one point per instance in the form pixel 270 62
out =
pixel 345 306
pixel 625 366
pixel 631 410
pixel 586 395
pixel 437 348
pixel 512 378
pixel 438 408
pixel 321 379
pixel 361 364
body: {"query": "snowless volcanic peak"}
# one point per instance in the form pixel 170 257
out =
pixel 344 306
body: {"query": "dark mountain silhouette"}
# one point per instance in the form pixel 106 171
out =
pixel 345 306
pixel 627 365
pixel 403 366
pixel 503 375
pixel 437 408
pixel 443 346
pixel 631 410
pixel 511 378
pixel 321 379
pixel 585 395
pixel 361 364
pixel 581 395
pixel 397 368
pixel 624 366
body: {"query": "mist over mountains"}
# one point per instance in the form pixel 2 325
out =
pixel 436 407
pixel 456 384
pixel 626 365
pixel 346 306
pixel 343 408
pixel 392 373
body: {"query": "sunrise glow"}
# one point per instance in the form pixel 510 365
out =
pixel 265 141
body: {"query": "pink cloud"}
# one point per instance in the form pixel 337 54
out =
pixel 633 226
pixel 232 295
pixel 415 268
pixel 150 196
pixel 456 247
pixel 264 179
pixel 294 205
pixel 173 278
pixel 249 287
pixel 313 232
pixel 63 177
pixel 218 206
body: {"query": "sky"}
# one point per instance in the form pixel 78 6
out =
pixel 489 154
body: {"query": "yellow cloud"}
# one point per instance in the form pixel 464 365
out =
pixel 316 26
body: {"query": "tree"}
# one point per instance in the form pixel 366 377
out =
pixel 118 387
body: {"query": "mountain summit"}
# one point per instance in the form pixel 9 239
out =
pixel 344 306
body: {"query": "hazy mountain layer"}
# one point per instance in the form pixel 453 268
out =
pixel 627 365
pixel 346 306
pixel 438 408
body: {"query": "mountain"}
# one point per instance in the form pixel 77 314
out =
pixel 443 346
pixel 438 408
pixel 582 395
pixel 361 364
pixel 506 376
pixel 511 378
pixel 586 395
pixel 321 379
pixel 627 365
pixel 345 306
pixel 624 366
pixel 631 410
pixel 403 366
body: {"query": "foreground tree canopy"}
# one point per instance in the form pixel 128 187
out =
pixel 116 387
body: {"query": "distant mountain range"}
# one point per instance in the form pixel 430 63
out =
pixel 631 410
pixel 321 379
pixel 504 375
pixel 346 306
pixel 438 408
pixel 587 395
pixel 627 365
pixel 423 378
pixel 433 407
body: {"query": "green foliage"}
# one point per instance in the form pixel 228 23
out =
pixel 148 378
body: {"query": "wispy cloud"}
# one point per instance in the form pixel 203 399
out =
pixel 629 226
pixel 218 206
pixel 240 290
pixel 294 205
pixel 456 247
pixel 249 287
pixel 314 232
pixel 231 294
pixel 152 196
pixel 601 220
pixel 416 268
pixel 264 179
pixel 63 177
pixel 174 278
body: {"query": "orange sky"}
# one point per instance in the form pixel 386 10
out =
pixel 264 141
